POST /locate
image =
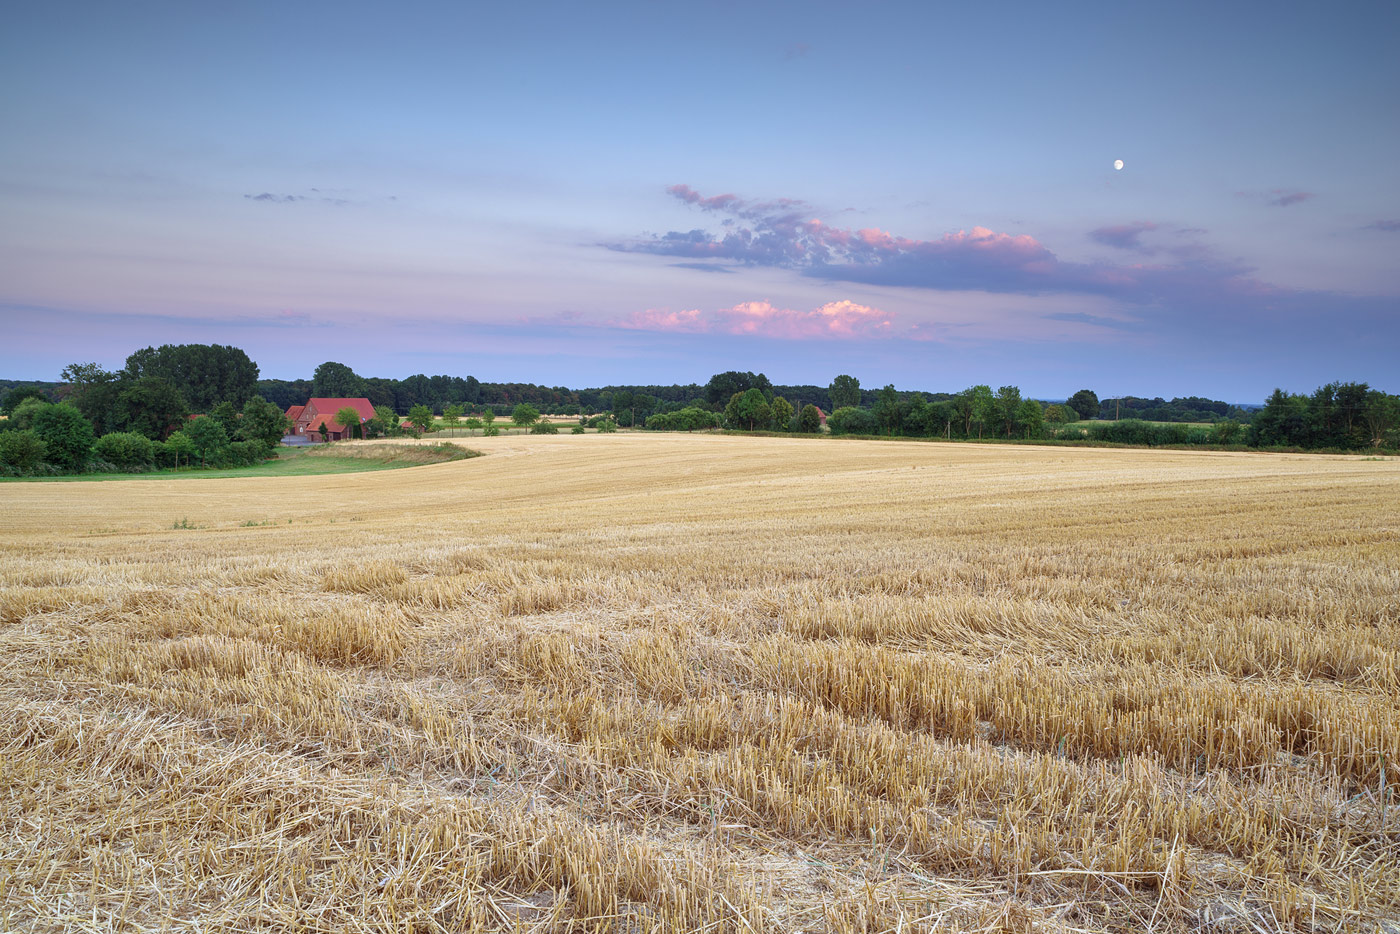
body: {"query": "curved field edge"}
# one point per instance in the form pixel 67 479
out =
pixel 337 458
pixel 664 683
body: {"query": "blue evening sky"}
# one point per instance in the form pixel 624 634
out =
pixel 581 194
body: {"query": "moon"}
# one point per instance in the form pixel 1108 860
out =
pixel 1118 165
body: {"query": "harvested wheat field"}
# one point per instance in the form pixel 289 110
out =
pixel 670 683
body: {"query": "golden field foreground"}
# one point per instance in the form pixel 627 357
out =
pixel 662 682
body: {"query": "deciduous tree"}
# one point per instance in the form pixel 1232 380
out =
pixel 209 439
pixel 421 418
pixel 845 391
pixel 348 417
pixel 68 436
pixel 781 413
pixel 1085 403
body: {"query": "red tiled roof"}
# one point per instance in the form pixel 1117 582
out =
pixel 331 406
pixel 295 411
pixel 323 409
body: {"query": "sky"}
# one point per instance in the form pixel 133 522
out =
pixel 578 194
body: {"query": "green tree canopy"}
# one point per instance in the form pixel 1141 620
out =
pixel 93 391
pixel 225 414
pixel 722 386
pixel 208 437
pixel 21 451
pixel 126 450
pixel 421 418
pixel 525 414
pixel 977 407
pixel 1008 407
pixel 179 448
pixel 886 410
pixel 810 421
pixel 748 410
pixel 262 421
pixel 385 421
pixel 781 414
pixel 348 417
pixel 205 374
pixel 337 381
pixel 150 405
pixel 68 437
pixel 852 420
pixel 1085 403
pixel 844 391
pixel 1031 417
pixel 17 395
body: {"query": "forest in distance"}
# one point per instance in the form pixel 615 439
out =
pixel 145 415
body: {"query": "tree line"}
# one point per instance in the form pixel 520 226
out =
pixel 1338 416
pixel 140 416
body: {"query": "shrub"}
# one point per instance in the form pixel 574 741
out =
pixel 850 420
pixel 576 430
pixel 607 426
pixel 67 436
pixel 1199 436
pixel 126 450
pixel 246 453
pixel 1227 432
pixel 20 451
pixel 544 428
pixel 177 450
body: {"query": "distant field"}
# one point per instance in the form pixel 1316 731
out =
pixel 1111 421
pixel 644 682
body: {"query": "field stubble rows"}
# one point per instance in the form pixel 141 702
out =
pixel 669 683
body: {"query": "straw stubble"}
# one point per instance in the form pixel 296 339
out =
pixel 661 683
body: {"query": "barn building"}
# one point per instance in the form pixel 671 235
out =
pixel 316 420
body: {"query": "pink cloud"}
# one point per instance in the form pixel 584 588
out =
pixel 843 319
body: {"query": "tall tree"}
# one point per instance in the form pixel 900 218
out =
pixel 781 413
pixel 205 374
pixel 844 391
pixel 93 391
pixel 337 381
pixel 722 386
pixel 1008 406
pixel 68 437
pixel 1085 403
pixel 1031 417
pixel 977 407
pixel 209 439
pixel 1381 416
pixel 1282 420
pixel 151 406
pixel 421 418
pixel 887 410
pixel 348 417
pixel 262 421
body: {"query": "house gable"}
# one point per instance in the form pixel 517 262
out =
pixel 322 410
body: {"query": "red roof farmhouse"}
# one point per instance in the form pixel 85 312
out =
pixel 308 419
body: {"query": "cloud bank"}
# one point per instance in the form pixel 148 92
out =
pixel 840 320
pixel 784 233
